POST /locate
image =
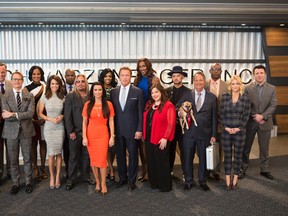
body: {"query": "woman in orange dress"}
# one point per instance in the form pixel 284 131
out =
pixel 96 113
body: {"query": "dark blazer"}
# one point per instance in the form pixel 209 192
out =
pixel 25 115
pixel 8 87
pixel 266 106
pixel 130 120
pixel 206 118
pixel 73 113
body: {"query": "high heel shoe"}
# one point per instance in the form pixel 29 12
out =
pixel 52 187
pixel 98 190
pixel 228 187
pixel 234 187
pixel 57 186
pixel 104 193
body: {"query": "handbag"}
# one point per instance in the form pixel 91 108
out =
pixel 212 156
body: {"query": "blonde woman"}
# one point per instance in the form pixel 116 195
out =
pixel 235 108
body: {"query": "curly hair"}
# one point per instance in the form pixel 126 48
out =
pixel 31 72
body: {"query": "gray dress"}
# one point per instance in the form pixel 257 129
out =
pixel 53 133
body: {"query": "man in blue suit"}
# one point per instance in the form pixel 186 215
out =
pixel 198 137
pixel 128 105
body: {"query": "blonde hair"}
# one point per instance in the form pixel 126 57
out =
pixel 238 79
pixel 86 84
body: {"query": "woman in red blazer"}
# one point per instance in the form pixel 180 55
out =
pixel 159 120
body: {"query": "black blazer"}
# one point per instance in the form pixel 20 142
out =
pixel 130 120
pixel 73 113
pixel 206 118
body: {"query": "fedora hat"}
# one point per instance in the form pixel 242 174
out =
pixel 177 69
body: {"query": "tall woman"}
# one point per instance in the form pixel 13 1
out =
pixel 146 76
pixel 36 75
pixel 96 113
pixel 235 108
pixel 53 102
pixel 108 80
pixel 159 120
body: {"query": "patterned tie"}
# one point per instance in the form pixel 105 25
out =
pixel 19 102
pixel 198 103
pixel 2 88
pixel 123 98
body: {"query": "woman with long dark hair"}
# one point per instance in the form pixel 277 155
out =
pixel 53 102
pixel 159 120
pixel 96 113
pixel 108 80
pixel 146 77
pixel 37 87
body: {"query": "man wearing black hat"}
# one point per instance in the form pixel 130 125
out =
pixel 175 92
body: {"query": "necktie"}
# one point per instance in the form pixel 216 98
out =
pixel 70 88
pixel 198 103
pixel 214 89
pixel 123 98
pixel 2 88
pixel 19 102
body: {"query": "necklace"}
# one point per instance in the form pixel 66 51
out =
pixel 98 109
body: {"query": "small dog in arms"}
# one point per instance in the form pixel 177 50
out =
pixel 187 114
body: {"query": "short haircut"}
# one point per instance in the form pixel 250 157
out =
pixel 17 72
pixel 259 67
pixel 125 68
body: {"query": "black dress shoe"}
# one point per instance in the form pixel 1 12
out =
pixel 15 189
pixel 28 188
pixel 121 183
pixel 241 174
pixel 187 186
pixel 68 187
pixel 205 187
pixel 90 181
pixel 216 176
pixel 131 186
pixel 267 175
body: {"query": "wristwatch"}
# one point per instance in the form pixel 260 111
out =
pixel 14 115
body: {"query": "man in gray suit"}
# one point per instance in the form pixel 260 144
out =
pixel 128 105
pixel 5 85
pixel 263 104
pixel 217 87
pixel 18 109
pixel 78 153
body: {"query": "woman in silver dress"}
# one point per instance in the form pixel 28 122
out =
pixel 53 102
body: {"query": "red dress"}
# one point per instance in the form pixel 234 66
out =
pixel 97 134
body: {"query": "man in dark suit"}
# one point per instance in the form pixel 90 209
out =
pixel 175 92
pixel 263 104
pixel 18 109
pixel 5 85
pixel 68 88
pixel 217 86
pixel 128 105
pixel 199 137
pixel 78 153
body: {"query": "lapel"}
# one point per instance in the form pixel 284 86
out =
pixel 117 90
pixel 128 96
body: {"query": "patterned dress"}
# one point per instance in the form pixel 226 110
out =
pixel 53 133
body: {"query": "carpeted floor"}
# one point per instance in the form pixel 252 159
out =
pixel 255 195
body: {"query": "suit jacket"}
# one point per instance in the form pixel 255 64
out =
pixel 73 113
pixel 25 115
pixel 223 89
pixel 8 87
pixel 130 120
pixel 266 106
pixel 206 117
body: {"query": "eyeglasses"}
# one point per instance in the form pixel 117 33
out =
pixel 15 79
pixel 215 69
pixel 80 81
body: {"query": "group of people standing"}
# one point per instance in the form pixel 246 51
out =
pixel 110 119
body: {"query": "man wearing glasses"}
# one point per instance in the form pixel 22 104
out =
pixel 217 86
pixel 18 109
pixel 74 103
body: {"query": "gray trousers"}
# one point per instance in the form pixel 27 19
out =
pixel 263 142
pixel 13 151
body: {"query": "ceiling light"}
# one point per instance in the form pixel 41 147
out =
pixel 282 24
pixel 204 24
pixel 40 23
pixel 82 23
pixel 243 24
pixel 164 23
pixel 123 23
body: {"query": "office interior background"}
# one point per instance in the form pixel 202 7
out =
pixel 91 35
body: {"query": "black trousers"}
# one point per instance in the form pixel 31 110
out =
pixel 178 138
pixel 158 166
pixel 78 157
pixel 132 145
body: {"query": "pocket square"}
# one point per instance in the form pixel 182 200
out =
pixel 134 98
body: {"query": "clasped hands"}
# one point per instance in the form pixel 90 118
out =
pixel 259 118
pixel 232 130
